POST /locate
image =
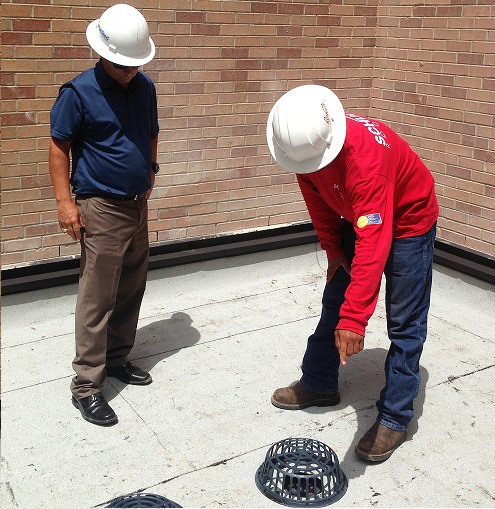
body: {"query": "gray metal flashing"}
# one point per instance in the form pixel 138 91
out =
pixel 66 271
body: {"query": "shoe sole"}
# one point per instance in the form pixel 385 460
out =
pixel 93 421
pixel 377 458
pixel 144 382
pixel 301 406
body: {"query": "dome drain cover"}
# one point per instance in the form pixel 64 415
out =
pixel 142 500
pixel 301 472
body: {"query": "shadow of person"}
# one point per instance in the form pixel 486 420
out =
pixel 360 383
pixel 157 341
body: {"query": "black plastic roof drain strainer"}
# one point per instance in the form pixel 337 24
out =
pixel 142 500
pixel 301 472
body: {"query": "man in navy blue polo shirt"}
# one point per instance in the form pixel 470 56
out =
pixel 106 119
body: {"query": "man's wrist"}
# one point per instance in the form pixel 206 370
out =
pixel 65 199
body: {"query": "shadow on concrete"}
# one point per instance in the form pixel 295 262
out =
pixel 40 296
pixel 466 278
pixel 360 383
pixel 244 261
pixel 158 341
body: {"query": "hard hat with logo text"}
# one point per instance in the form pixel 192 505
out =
pixel 121 36
pixel 306 128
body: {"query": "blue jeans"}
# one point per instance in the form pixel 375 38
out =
pixel 408 273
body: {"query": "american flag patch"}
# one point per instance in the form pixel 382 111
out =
pixel 374 218
pixel 369 219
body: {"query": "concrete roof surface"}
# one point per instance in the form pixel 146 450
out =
pixel 218 338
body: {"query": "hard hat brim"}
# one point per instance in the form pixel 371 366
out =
pixel 330 153
pixel 95 41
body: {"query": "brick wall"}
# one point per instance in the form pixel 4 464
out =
pixel 434 81
pixel 220 65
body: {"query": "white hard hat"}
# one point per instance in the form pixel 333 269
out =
pixel 121 36
pixel 306 128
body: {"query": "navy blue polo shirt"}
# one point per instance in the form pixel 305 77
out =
pixel 110 130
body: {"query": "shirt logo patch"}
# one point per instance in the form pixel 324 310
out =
pixel 369 219
pixel 372 128
pixel 103 34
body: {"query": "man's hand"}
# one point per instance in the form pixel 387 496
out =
pixel 348 343
pixel 70 219
pixel 333 265
pixel 69 216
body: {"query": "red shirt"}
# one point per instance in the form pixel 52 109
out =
pixel 380 185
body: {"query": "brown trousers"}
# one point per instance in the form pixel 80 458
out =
pixel 114 262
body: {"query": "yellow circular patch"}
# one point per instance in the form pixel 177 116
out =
pixel 362 221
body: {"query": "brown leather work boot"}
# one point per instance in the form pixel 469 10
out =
pixel 379 442
pixel 297 398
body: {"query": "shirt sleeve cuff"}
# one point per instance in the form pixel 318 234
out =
pixel 60 136
pixel 346 324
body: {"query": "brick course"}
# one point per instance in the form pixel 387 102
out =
pixel 427 70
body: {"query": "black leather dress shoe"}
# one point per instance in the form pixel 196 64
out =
pixel 130 374
pixel 95 409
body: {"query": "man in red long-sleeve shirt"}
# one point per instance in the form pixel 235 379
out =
pixel 373 205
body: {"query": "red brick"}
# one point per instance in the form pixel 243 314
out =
pixel 424 11
pixel 274 64
pixel 247 64
pixel 31 25
pixel 190 17
pixel 287 8
pixel 264 7
pixel 328 20
pixel 456 171
pixel 462 127
pixel 205 29
pixel 475 141
pixel 228 75
pixel 442 79
pixel 293 31
pixel 17 38
pixel 17 119
pixel 365 11
pixel 393 96
pixel 318 10
pixel 488 84
pixel 69 53
pixel 449 12
pixel 21 244
pixel 426 111
pixel 9 234
pixel 189 88
pixel 18 92
pixel 458 93
pixel 484 155
pixel 467 207
pixel 235 53
pixel 20 220
pixel 411 23
pixel 289 53
pixel 470 58
pixel 247 86
pixel 405 86
pixel 16 10
pixel 42 229
pixel 7 78
pixel 350 62
pixel 244 151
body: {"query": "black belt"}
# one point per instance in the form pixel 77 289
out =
pixel 119 197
